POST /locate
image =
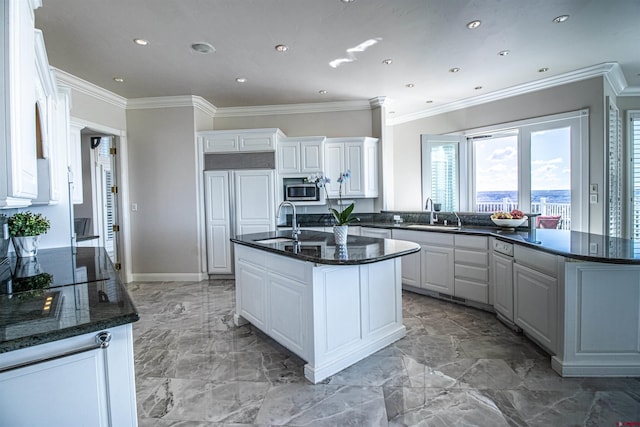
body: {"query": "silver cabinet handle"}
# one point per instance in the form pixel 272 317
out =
pixel 102 340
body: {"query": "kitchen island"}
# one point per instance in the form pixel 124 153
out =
pixel 332 305
pixel 66 347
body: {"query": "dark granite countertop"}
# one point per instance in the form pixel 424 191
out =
pixel 319 247
pixel 570 244
pixel 60 294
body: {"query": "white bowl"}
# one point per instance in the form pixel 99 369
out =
pixel 510 223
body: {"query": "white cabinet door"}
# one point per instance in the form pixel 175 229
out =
pixel 217 213
pixel 358 155
pixel 257 141
pixel 502 280
pixel 252 300
pixel 437 269
pixel 247 140
pixel 98 383
pixel 220 143
pixel 311 156
pixel 18 166
pixel 288 157
pixel 287 314
pixel 254 201
pixel 411 262
pixel 536 305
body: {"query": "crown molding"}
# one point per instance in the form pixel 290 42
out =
pixel 272 110
pixel 610 70
pixel 88 88
pixel 172 102
pixel 630 91
pixel 379 101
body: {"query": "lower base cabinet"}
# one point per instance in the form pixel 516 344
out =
pixel 536 305
pixel 502 280
pixel 88 388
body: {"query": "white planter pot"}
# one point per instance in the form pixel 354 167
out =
pixel 340 234
pixel 26 246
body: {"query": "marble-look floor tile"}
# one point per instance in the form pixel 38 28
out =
pixel 198 400
pixel 441 408
pixel 457 366
pixel 323 405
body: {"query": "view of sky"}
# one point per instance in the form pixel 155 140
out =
pixel 497 162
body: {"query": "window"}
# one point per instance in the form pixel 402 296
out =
pixel 537 166
pixel 634 139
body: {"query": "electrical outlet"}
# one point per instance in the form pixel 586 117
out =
pixel 593 199
pixel 593 188
pixel 593 248
pixel 134 207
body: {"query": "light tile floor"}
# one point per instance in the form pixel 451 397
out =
pixel 457 366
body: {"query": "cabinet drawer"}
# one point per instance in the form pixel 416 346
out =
pixel 537 260
pixel 472 242
pixel 444 239
pixel 471 290
pixel 465 256
pixel 472 272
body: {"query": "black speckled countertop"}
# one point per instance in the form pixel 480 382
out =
pixel 319 247
pixel 60 294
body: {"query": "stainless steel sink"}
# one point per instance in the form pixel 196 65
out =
pixel 275 240
pixel 433 227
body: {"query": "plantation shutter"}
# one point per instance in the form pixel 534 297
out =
pixel 634 136
pixel 441 176
pixel 614 136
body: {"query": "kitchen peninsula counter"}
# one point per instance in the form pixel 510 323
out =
pixel 66 325
pixel 332 305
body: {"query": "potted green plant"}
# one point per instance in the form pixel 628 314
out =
pixel 25 229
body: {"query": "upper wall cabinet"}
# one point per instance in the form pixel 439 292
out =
pixel 304 155
pixel 358 155
pixel 242 140
pixel 18 166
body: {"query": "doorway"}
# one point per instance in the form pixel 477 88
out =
pixel 95 215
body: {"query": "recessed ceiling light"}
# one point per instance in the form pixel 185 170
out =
pixel 410 85
pixel 141 42
pixel 543 70
pixel 282 48
pixel 387 61
pixel 241 80
pixel 478 87
pixel 504 52
pixel 560 19
pixel 322 92
pixel 474 24
pixel 118 79
pixel 454 70
pixel 202 47
pixel 429 102
pixel 392 112
pixel 347 1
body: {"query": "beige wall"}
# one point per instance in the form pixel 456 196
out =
pixel 333 124
pixel 91 109
pixel 574 96
pixel 162 181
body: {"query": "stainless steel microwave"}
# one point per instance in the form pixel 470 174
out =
pixel 302 192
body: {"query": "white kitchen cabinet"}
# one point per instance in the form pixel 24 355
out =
pixel 410 263
pixel 18 166
pixel 358 155
pixel 236 202
pixel 380 233
pixel 252 301
pixel 287 318
pixel 300 156
pixel 535 287
pixel 437 263
pixel 98 383
pixel 471 268
pixel 241 140
pixel 502 281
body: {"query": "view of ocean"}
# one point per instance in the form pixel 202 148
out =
pixel 553 196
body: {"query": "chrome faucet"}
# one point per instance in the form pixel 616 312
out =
pixel 426 207
pixel 458 218
pixel 295 229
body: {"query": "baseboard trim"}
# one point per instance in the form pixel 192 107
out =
pixel 169 277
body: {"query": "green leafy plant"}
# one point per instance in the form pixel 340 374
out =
pixel 343 217
pixel 27 223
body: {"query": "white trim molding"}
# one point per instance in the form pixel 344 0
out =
pixel 88 88
pixel 610 70
pixel 171 102
pixel 272 110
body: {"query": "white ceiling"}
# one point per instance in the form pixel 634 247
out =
pixel 93 40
